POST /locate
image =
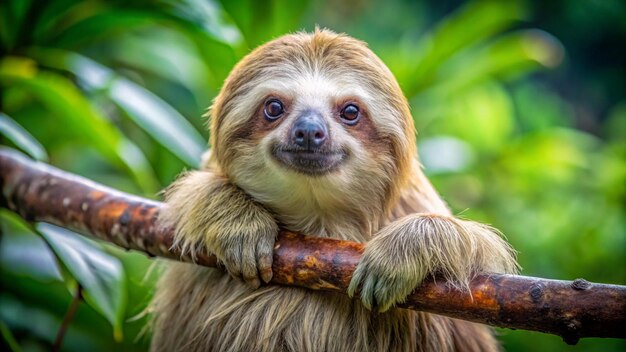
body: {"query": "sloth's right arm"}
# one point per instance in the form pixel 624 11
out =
pixel 207 211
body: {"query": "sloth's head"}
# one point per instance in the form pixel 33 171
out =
pixel 313 110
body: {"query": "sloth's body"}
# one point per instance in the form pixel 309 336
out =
pixel 312 132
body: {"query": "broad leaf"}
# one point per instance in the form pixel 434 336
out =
pixel 24 253
pixel 279 17
pixel 21 138
pixel 218 41
pixel 100 274
pixel 470 24
pixel 211 17
pixel 154 115
pixel 93 28
pixel 507 56
pixel 77 114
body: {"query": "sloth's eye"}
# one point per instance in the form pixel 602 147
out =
pixel 350 114
pixel 273 109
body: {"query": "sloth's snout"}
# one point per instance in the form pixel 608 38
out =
pixel 308 150
pixel 309 131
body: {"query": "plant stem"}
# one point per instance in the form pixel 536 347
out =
pixel 69 315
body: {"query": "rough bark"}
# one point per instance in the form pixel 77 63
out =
pixel 571 309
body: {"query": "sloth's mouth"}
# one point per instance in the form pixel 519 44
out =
pixel 312 162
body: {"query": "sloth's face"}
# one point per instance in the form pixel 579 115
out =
pixel 312 110
pixel 319 123
pixel 312 126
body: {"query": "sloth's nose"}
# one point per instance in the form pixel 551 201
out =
pixel 309 131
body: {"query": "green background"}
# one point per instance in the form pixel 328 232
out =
pixel 520 108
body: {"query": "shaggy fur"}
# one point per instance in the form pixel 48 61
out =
pixel 378 195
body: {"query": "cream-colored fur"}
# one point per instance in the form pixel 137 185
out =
pixel 378 195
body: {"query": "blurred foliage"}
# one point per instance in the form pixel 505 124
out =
pixel 520 106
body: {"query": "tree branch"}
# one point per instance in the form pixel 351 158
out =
pixel 571 309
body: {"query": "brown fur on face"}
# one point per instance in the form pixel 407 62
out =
pixel 377 194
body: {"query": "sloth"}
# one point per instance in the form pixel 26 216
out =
pixel 311 132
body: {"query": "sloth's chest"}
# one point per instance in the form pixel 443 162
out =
pixel 348 227
pixel 294 319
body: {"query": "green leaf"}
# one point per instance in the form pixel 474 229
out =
pixel 93 28
pixel 76 114
pixel 8 338
pixel 278 17
pixel 166 125
pixel 508 56
pixel 469 94
pixel 219 42
pixel 213 30
pixel 212 18
pixel 12 16
pixel 469 25
pixel 160 120
pixel 169 55
pixel 21 138
pixel 24 253
pixel 100 274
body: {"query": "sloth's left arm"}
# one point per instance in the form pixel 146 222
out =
pixel 404 252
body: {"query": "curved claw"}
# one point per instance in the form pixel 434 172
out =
pixel 364 278
pixel 355 281
pixel 380 287
pixel 250 261
pixel 360 278
pixel 384 294
pixel 368 295
pixel 249 267
pixel 264 261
